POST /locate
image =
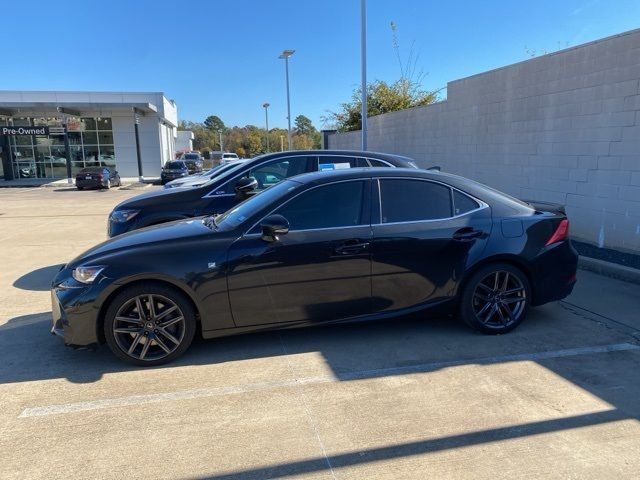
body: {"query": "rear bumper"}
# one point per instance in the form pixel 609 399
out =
pixel 90 183
pixel 554 274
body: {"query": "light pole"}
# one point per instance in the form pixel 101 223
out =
pixel 281 143
pixel 286 54
pixel 220 136
pixel 363 59
pixel 266 120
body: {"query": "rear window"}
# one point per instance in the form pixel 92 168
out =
pixel 92 170
pixel 191 156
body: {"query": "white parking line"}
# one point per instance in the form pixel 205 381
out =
pixel 358 375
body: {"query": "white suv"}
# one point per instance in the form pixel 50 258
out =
pixel 228 157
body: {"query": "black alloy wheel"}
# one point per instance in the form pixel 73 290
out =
pixel 496 299
pixel 149 326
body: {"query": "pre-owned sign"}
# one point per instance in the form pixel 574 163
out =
pixel 24 130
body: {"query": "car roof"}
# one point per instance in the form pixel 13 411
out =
pixel 396 160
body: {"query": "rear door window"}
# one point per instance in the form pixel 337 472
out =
pixel 336 162
pixel 408 200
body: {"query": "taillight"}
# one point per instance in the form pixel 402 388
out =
pixel 561 233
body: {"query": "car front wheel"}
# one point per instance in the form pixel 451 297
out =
pixel 149 324
pixel 496 299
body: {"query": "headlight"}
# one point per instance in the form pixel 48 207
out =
pixel 86 274
pixel 121 216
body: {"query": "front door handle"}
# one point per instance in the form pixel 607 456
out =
pixel 467 233
pixel 349 248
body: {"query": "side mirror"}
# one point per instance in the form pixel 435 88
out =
pixel 246 187
pixel 273 226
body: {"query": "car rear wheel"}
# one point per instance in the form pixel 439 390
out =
pixel 149 324
pixel 496 299
pixel 79 188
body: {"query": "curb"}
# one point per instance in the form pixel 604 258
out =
pixel 608 269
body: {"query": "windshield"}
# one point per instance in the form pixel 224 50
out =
pixel 174 165
pixel 191 156
pixel 241 212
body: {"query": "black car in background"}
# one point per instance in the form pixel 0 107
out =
pixel 97 177
pixel 231 187
pixel 193 161
pixel 172 170
pixel 353 244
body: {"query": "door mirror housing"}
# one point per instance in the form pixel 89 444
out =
pixel 273 226
pixel 245 187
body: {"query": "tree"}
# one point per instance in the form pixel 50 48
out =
pixel 383 97
pixel 303 125
pixel 213 122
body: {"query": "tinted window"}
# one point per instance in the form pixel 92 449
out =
pixel 174 165
pixel 377 163
pixel 336 162
pixel 273 172
pixel 192 156
pixel 336 205
pixel 414 200
pixel 462 203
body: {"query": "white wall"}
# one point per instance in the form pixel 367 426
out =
pixel 563 127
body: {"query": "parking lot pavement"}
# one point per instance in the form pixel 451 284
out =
pixel 406 398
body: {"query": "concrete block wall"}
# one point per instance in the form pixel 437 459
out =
pixel 563 127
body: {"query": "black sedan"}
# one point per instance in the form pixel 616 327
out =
pixel 173 170
pixel 97 177
pixel 319 248
pixel 222 192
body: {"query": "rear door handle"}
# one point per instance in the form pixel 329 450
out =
pixel 467 233
pixel 351 248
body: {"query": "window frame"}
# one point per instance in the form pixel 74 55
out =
pixel 365 210
pixel 482 205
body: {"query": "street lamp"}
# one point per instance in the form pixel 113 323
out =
pixel 285 55
pixel 363 59
pixel 266 119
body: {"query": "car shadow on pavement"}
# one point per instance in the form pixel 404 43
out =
pixel 39 279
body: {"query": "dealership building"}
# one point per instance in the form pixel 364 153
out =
pixel 56 134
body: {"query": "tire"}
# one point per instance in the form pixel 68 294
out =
pixel 128 337
pixel 494 311
pixel 79 188
pixel 108 187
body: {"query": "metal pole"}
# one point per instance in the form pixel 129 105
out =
pixel 281 143
pixel 266 119
pixel 286 68
pixel 136 121
pixel 363 56
pixel 221 147
pixel 67 148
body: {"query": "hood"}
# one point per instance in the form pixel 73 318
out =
pixel 194 181
pixel 168 195
pixel 157 234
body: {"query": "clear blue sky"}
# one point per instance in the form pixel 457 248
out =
pixel 220 57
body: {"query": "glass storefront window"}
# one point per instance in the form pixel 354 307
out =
pixel 90 138
pixel 89 123
pixel 104 124
pixel 90 141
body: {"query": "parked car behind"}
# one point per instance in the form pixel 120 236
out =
pixel 97 177
pixel 202 178
pixel 345 245
pixel 193 161
pixel 229 157
pixel 233 186
pixel 172 170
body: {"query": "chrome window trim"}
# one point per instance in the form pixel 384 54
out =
pixel 361 179
pixel 482 205
pixel 378 160
pixel 210 195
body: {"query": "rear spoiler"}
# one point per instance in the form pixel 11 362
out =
pixel 546 206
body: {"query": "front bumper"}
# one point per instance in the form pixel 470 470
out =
pixel 74 316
